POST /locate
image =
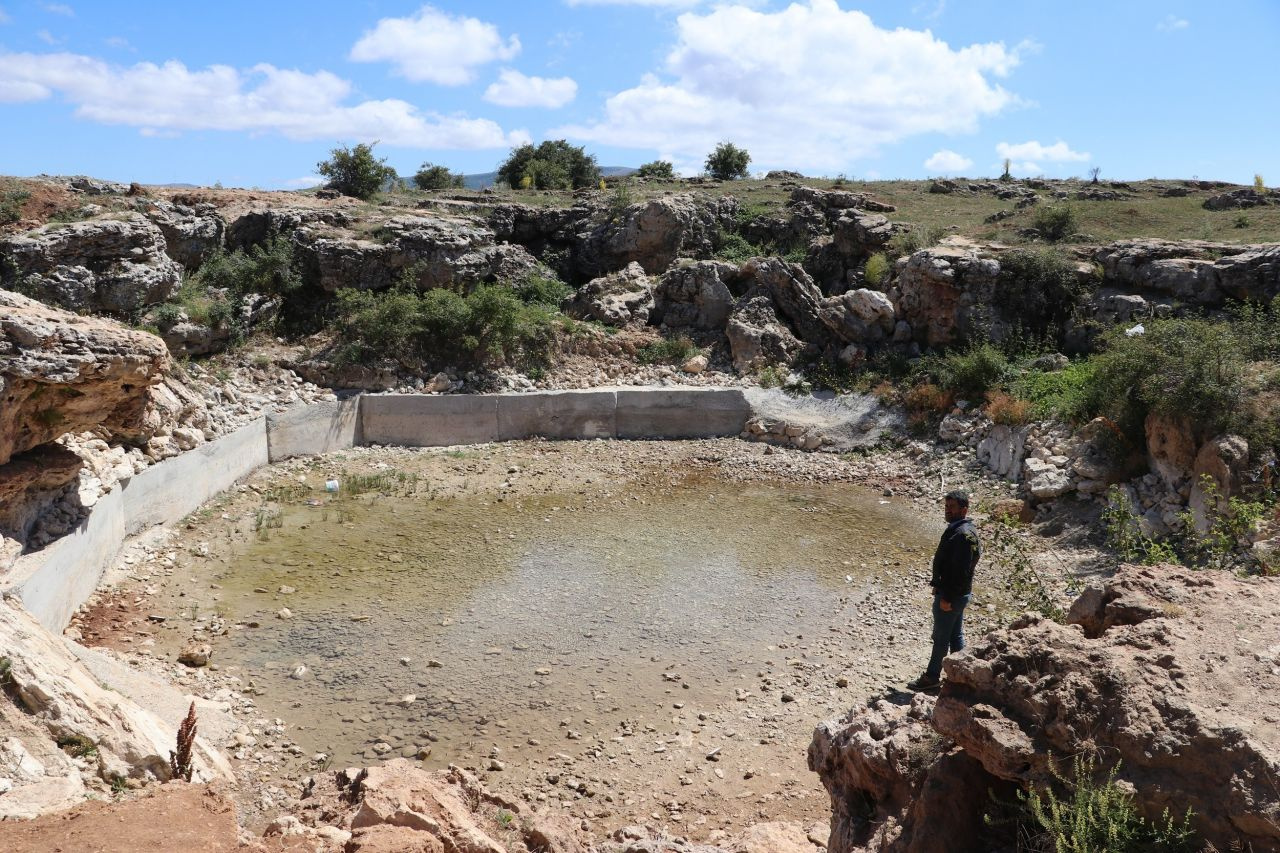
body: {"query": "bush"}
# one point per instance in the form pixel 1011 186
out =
pixel 727 162
pixel 1098 817
pixel 552 165
pixel 432 177
pixel 1065 395
pixel 668 351
pixel 541 290
pixel 1041 288
pixel 11 202
pixel 877 269
pixel 968 374
pixel 912 241
pixel 355 171
pixel 265 268
pixel 1188 368
pixel 1056 222
pixel 1006 409
pixel 491 324
pixel 658 170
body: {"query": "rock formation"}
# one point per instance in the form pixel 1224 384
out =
pixel 113 266
pixel 1167 673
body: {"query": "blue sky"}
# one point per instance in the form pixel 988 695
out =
pixel 255 94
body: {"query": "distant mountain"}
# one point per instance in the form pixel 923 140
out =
pixel 487 179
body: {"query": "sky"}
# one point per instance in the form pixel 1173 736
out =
pixel 256 94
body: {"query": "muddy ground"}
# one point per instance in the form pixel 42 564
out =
pixel 734 757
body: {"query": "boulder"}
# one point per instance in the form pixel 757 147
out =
pixel 793 293
pixel 1171 449
pixel 191 234
pixel 113 266
pixel 1253 274
pixel 655 233
pixel 757 338
pixel 1240 199
pixel 262 226
pixel 859 316
pixel 1003 450
pixel 1216 476
pixel 60 373
pixel 947 293
pixel 695 295
pixel 1161 671
pixel 615 299
pixel 856 234
pixel 838 200
pixel 30 483
pixel 1045 480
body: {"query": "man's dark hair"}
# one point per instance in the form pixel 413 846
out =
pixel 959 497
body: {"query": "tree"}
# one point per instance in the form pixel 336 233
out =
pixel 727 162
pixel 355 171
pixel 433 177
pixel 553 165
pixel 1094 173
pixel 658 170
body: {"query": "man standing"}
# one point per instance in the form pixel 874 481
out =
pixel 953 564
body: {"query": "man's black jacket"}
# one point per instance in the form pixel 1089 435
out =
pixel 954 561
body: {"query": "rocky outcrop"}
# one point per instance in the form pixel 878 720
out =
pixel 51 685
pixel 1193 271
pixel 946 293
pixel 697 295
pixel 62 373
pixel 757 338
pixel 1241 199
pixel 859 316
pixel 112 266
pixel 1164 672
pixel 191 234
pixel 261 226
pixel 428 252
pixel 616 299
pixel 29 483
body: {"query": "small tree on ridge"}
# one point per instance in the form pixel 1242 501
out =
pixel 727 162
pixel 355 171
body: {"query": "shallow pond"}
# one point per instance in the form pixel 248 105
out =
pixel 530 622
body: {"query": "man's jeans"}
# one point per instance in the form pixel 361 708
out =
pixel 948 632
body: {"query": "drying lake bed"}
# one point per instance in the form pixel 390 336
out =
pixel 646 632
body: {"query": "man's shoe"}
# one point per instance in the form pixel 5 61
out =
pixel 923 683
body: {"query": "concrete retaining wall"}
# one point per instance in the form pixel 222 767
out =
pixel 55 581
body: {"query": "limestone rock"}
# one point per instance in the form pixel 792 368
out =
pixel 114 266
pixel 1240 199
pixel 191 234
pixel 1003 450
pixel 1045 480
pixel 61 373
pixel 757 338
pixel 655 233
pixel 696 295
pixel 946 290
pixel 261 226
pixel 615 299
pixel 29 483
pixel 1252 274
pixel 51 684
pixel 859 316
pixel 1171 448
pixel 795 297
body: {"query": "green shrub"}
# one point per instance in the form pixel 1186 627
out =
pixel 1098 817
pixel 433 177
pixel 442 327
pixel 1055 222
pixel 11 202
pixel 1040 287
pixel 355 171
pixel 877 270
pixel 668 351
pixel 1257 327
pixel 1188 368
pixel 658 170
pixel 727 162
pixel 541 290
pixel 917 238
pixel 970 373
pixel 267 269
pixel 732 246
pixel 1064 395
pixel 552 165
pixel 620 199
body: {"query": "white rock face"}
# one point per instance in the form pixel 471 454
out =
pixel 1002 451
pixel 1045 480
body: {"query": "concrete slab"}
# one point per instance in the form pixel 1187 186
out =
pixel 557 415
pixel 420 420
pixel 53 582
pixel 175 487
pixel 681 412
pixel 314 429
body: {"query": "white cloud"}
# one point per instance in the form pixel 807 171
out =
pixel 513 89
pixel 1172 23
pixel 947 162
pixel 119 42
pixel 840 86
pixel 670 4
pixel 305 183
pixel 47 37
pixel 4 17
pixel 59 9
pixel 435 47
pixel 169 98
pixel 930 11
pixel 1058 152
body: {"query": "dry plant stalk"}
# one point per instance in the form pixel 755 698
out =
pixel 180 762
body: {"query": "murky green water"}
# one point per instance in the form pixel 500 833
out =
pixel 570 608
